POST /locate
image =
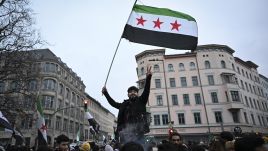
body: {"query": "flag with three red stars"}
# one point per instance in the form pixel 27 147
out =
pixel 41 125
pixel 161 27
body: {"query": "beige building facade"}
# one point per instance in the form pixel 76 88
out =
pixel 62 94
pixel 202 92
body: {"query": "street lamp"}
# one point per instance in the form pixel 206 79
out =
pixel 169 115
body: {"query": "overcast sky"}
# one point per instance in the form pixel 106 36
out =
pixel 85 33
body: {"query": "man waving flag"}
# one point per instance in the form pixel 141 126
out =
pixel 161 27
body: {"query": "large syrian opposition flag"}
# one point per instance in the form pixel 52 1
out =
pixel 92 122
pixel 161 27
pixel 4 123
pixel 42 128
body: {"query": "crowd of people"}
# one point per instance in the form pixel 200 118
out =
pixel 223 142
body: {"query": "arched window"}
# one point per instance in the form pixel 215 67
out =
pixel 170 68
pixel 156 68
pixel 49 84
pixel 61 90
pixel 207 64
pixel 223 65
pixel 142 71
pixel 181 67
pixel 68 95
pixel 192 65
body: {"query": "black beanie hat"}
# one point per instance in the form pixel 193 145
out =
pixel 132 88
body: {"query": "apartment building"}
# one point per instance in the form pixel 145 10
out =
pixel 201 92
pixel 62 94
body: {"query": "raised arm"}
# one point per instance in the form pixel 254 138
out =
pixel 110 99
pixel 146 91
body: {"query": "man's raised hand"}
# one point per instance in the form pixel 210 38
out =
pixel 149 71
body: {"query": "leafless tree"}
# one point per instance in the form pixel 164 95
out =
pixel 17 36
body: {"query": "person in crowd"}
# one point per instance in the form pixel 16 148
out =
pixel 168 146
pixel 250 142
pixel 85 147
pixel 44 148
pixel 217 144
pixel 62 143
pixel 132 121
pixel 176 139
pixel 108 148
pixel 132 146
pixel 229 146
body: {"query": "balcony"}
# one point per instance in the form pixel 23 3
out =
pixel 234 105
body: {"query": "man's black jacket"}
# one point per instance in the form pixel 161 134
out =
pixel 131 111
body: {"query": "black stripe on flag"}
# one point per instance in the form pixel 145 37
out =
pixel 162 39
pixel 41 139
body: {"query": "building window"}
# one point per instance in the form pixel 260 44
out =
pixel 68 94
pixel 246 86
pixel 186 99
pixel 159 100
pixel 156 119
pixel 58 123
pixel 259 118
pixel 238 70
pixel 253 119
pixel 233 66
pixel 26 123
pixel 66 109
pixel 165 119
pixel 174 99
pixel 65 125
pixel 181 67
pixel 181 119
pixel 235 117
pixel 49 84
pixel 211 80
pixel 235 96
pixel 47 102
pixel 32 85
pixel 197 98
pixel 218 117
pixel 246 99
pixel 142 71
pixel 172 82
pixel 223 65
pixel 61 90
pixel 156 68
pixel 194 80
pixel 47 120
pixel 243 73
pixel 71 127
pixel 73 97
pixel 157 83
pixel 50 67
pixel 192 65
pixel 170 68
pixel 2 87
pixel 246 117
pixel 207 64
pixel 242 85
pixel 214 97
pixel 183 82
pixel 197 118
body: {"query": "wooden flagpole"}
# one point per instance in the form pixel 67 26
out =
pixel 118 47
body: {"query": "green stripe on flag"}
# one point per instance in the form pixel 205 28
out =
pixel 39 106
pixel 161 11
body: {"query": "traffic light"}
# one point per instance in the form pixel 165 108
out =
pixel 85 105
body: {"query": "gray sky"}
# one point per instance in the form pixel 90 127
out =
pixel 85 33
